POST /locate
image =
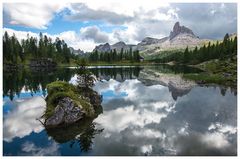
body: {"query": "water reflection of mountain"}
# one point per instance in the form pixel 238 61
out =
pixel 36 80
pixel 175 83
pixel 140 117
pixel 148 121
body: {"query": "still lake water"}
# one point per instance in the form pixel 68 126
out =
pixel 148 110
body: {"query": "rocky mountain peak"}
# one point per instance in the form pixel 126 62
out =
pixel 107 44
pixel 76 52
pixel 148 41
pixel 176 26
pixel 177 29
pixel 103 48
pixel 119 44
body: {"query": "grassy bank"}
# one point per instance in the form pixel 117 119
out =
pixel 222 72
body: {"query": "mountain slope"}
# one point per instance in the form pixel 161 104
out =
pixel 179 38
pixel 118 46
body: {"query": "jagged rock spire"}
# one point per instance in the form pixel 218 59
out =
pixel 177 29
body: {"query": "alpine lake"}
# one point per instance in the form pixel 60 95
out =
pixel 147 110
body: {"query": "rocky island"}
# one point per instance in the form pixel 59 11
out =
pixel 67 103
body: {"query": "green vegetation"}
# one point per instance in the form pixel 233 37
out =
pixel 82 94
pixel 60 89
pixel 224 50
pixel 218 60
pixel 222 72
pixel 15 52
pixel 160 55
pixel 113 56
pixel 85 77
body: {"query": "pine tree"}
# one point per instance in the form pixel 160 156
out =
pixel 121 54
pixel 186 56
pixel 235 46
pixel 114 55
pixel 6 47
pixel 40 46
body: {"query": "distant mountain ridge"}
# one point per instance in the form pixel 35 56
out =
pixel 149 41
pixel 78 52
pixel 118 46
pixel 179 38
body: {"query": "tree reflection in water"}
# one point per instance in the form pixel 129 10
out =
pixel 81 133
pixel 34 81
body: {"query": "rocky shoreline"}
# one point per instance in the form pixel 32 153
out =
pixel 43 64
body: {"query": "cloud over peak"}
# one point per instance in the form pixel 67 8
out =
pixel 114 20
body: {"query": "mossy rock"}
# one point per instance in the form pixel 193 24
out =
pixel 59 90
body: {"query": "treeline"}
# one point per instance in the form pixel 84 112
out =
pixel 16 52
pixel 113 56
pixel 225 49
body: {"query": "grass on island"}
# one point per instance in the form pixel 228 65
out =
pixel 60 89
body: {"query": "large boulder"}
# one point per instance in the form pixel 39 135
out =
pixel 66 104
pixel 66 112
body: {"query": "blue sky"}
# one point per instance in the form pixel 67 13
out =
pixel 58 24
pixel 88 23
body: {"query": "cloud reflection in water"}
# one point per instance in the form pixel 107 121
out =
pixel 148 121
pixel 21 119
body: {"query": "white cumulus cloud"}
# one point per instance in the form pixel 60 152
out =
pixel 36 15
